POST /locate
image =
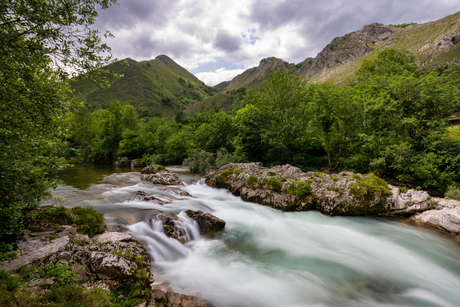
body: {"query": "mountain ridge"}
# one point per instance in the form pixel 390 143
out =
pixel 432 43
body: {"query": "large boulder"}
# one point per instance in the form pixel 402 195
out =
pixel 445 217
pixel 207 222
pixel 108 257
pixel 163 178
pixel 287 188
pixel 159 175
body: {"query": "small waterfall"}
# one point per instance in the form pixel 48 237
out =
pixel 161 247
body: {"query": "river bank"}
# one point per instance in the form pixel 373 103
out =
pixel 287 188
pixel 267 257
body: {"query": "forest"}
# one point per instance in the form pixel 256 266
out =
pixel 392 121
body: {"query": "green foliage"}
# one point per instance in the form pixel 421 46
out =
pixel 338 190
pixel 230 171
pixel 369 187
pixel 57 216
pixel 252 182
pixel 7 251
pixel 200 161
pixel 133 291
pixel 274 183
pixel 65 292
pixel 63 273
pixel 88 220
pixel 300 188
pixel 453 192
pixel 389 62
pixel 41 42
pixel 392 122
pixel 402 25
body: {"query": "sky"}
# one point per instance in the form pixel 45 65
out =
pixel 219 39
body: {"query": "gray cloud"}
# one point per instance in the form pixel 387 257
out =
pixel 320 22
pixel 194 32
pixel 227 42
pixel 128 13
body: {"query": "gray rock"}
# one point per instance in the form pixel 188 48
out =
pixel 287 188
pixel 446 219
pixel 122 162
pixel 42 252
pixel 207 222
pixel 163 178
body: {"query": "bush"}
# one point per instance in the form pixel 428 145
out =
pixel 7 251
pixel 200 161
pixel 453 192
pixel 88 220
pixel 223 157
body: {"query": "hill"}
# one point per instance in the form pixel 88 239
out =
pixel 155 87
pixel 432 43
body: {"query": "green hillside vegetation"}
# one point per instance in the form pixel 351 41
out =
pixel 252 78
pixel 157 87
pixel 392 121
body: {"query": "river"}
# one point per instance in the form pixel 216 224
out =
pixel 265 257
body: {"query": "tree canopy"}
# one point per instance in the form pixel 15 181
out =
pixel 43 43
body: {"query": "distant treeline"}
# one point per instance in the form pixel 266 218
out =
pixel 391 121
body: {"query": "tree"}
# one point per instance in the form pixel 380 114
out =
pixel 42 44
pixel 274 120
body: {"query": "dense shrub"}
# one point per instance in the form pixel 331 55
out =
pixel 453 192
pixel 200 161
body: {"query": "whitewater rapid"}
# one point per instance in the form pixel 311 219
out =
pixel 265 257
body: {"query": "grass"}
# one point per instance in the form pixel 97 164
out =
pixel 454 132
pixel 147 85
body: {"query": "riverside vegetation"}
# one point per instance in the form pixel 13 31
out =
pixel 391 121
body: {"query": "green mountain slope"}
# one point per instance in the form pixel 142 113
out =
pixel 158 86
pixel 253 77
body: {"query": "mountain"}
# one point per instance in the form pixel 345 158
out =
pixel 155 87
pixel 252 77
pixel 432 43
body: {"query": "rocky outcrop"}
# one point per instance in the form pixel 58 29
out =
pixel 122 162
pixel 160 175
pixel 445 216
pixel 345 49
pixel 176 228
pixel 207 222
pixel 287 188
pixel 252 77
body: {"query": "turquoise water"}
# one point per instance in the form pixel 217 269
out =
pixel 270 258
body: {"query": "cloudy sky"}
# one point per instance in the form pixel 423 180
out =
pixel 218 39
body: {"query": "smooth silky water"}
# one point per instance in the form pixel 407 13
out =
pixel 265 257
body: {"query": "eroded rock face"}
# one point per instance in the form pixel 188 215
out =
pixel 207 222
pixel 287 188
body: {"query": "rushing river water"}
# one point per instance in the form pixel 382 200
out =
pixel 265 257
